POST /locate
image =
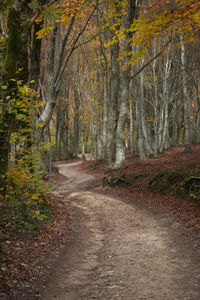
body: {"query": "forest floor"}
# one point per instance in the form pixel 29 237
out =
pixel 123 241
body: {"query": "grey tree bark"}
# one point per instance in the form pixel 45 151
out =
pixel 76 121
pixel 112 103
pixel 132 12
pixel 186 96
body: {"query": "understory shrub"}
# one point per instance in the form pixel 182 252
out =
pixel 25 203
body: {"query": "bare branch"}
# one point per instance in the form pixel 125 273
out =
pixel 72 49
pixel 151 60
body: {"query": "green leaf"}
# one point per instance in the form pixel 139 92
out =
pixel 4 87
pixel 20 116
pixel 46 15
pixel 193 196
pixel 55 15
pixel 33 5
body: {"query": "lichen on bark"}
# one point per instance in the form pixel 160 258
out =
pixel 16 60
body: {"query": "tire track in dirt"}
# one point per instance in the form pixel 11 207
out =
pixel 118 251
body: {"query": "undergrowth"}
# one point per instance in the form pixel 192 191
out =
pixel 183 183
pixel 24 202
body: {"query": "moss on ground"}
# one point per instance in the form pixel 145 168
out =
pixel 181 183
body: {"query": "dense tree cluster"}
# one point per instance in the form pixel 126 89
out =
pixel 107 75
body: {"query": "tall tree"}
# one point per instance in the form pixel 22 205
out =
pixel 15 68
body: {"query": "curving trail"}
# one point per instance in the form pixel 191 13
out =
pixel 119 251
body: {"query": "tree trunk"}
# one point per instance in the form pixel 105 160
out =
pixel 113 103
pixel 125 77
pixel 105 113
pixel 188 147
pixel 63 128
pixel 76 123
pixel 34 59
pixel 131 125
pixel 98 117
pixel 18 24
pixel 139 124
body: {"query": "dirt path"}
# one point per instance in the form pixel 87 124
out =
pixel 118 251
